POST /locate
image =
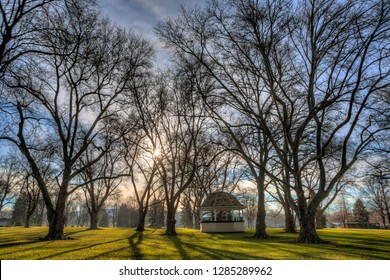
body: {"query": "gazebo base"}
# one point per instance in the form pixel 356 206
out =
pixel 222 226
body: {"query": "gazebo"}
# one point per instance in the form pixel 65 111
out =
pixel 221 212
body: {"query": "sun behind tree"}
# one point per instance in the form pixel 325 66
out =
pixel 156 153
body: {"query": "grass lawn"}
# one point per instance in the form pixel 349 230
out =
pixel 114 243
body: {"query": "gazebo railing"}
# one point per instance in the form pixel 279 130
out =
pixel 233 220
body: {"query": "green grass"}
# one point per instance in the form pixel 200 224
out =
pixel 113 243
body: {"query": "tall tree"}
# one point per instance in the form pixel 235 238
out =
pixel 305 73
pixel 360 213
pixel 181 139
pixel 248 199
pixel 128 213
pixel 113 204
pixel 59 98
pixel 155 215
pixel 140 146
pixel 18 27
pixel 376 188
pixel 103 220
pixel 123 219
pixel 343 212
pixel 232 89
pixel 100 180
pixel 19 210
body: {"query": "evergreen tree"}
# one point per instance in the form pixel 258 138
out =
pixel 360 213
pixel 103 219
pixel 123 216
pixel 19 211
pixel 156 217
pixel 186 214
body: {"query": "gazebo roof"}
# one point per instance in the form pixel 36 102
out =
pixel 221 201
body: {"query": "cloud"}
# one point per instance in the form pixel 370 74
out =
pixel 142 16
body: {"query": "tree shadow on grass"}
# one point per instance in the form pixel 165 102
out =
pixel 67 236
pixel 40 240
pixel 135 240
pixel 361 251
pixel 80 249
pixel 328 251
pixel 74 232
pixel 179 246
pixel 14 244
pixel 37 243
pixel 210 253
pixel 33 244
pixel 247 237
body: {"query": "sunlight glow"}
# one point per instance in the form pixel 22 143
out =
pixel 156 152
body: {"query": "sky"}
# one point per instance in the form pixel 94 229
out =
pixel 142 16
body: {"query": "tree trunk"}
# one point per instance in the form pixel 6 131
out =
pixel 318 218
pixel 260 232
pixel 288 212
pixel 57 217
pixel 42 213
pixel 307 233
pixel 171 221
pixel 28 217
pixel 197 219
pixel 78 218
pixel 56 227
pixel 27 222
pixel 94 218
pixel 289 218
pixel 388 213
pixel 383 217
pixel 345 213
pixel 142 212
pixel 114 217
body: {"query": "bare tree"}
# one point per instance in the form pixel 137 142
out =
pixel 76 210
pixel 61 96
pixel 156 212
pixel 140 146
pixel 10 179
pixel 143 170
pixel 113 204
pixel 306 73
pixel 181 139
pixel 18 27
pixel 343 208
pixel 206 38
pixel 376 188
pixel 281 193
pixel 100 180
pixel 248 199
pixel 32 193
